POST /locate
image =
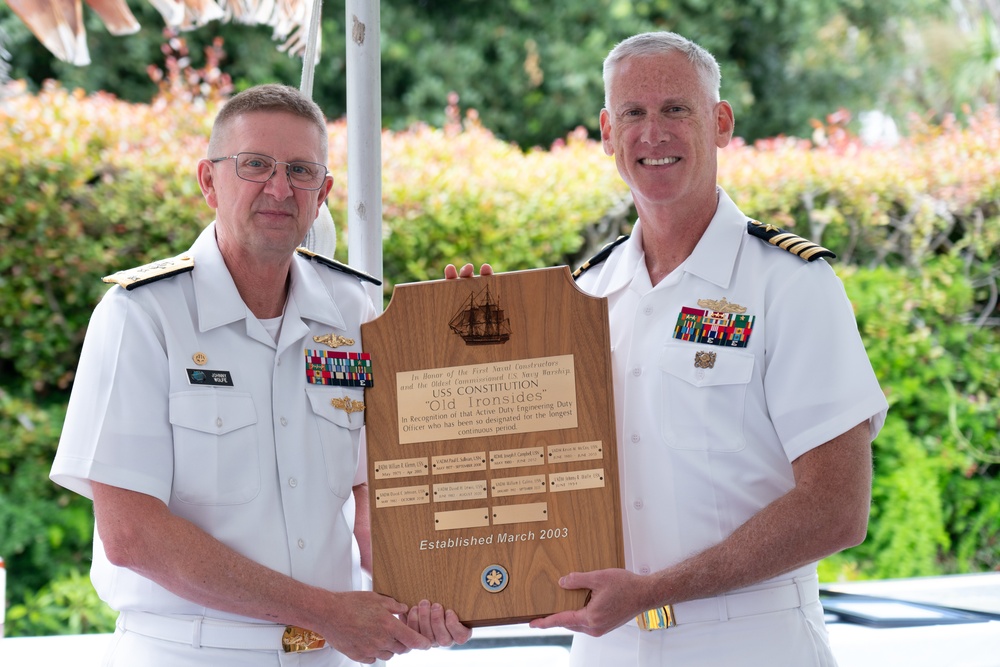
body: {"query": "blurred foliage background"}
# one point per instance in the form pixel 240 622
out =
pixel 533 69
pixel 488 154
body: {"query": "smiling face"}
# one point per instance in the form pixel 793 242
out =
pixel 664 128
pixel 263 221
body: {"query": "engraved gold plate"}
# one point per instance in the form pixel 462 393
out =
pixel 517 458
pixel 452 491
pixel 576 451
pixel 449 463
pixel 517 486
pixel 402 496
pixel 576 480
pixel 393 468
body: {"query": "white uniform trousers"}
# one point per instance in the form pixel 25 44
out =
pixel 129 648
pixel 788 638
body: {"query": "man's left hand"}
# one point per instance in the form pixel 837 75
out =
pixel 467 271
pixel 441 626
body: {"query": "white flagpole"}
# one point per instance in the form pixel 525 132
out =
pixel 364 141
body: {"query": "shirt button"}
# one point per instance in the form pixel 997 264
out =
pixel 284 422
pixel 648 310
pixel 699 374
pixel 644 570
pixel 278 362
pixel 635 437
pixel 292 482
pixel 637 504
pixel 637 371
pixel 218 422
pixel 302 544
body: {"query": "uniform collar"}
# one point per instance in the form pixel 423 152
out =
pixel 713 259
pixel 313 298
pixel 219 302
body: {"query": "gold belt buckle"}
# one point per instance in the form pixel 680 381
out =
pixel 297 640
pixel 657 619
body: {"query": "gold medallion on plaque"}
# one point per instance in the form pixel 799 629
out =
pixel 494 578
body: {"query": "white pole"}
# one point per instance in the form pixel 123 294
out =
pixel 3 595
pixel 364 141
pixel 364 146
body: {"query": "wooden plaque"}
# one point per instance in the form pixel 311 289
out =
pixel 492 460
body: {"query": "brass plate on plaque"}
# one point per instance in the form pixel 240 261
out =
pixel 503 384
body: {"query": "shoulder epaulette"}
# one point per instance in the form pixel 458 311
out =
pixel 600 256
pixel 150 273
pixel 794 244
pixel 337 266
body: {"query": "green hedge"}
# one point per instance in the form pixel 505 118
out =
pixel 90 185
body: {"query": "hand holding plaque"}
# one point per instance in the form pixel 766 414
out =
pixel 492 459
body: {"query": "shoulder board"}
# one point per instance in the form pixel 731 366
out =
pixel 600 256
pixel 796 245
pixel 150 273
pixel 337 266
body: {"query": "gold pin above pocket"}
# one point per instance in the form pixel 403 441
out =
pixel 348 405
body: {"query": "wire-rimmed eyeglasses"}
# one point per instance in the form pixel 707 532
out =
pixel 258 168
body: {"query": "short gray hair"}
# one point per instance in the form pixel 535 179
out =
pixel 274 97
pixel 663 43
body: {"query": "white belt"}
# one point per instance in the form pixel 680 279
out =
pixel 791 595
pixel 198 632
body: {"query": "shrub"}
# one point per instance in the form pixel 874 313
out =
pixel 91 185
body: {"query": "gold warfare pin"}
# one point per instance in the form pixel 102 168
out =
pixel 348 405
pixel 333 340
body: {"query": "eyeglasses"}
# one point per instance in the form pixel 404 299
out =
pixel 258 168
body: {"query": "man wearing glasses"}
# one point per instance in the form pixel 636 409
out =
pixel 214 422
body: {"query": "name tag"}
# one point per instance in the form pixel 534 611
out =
pixel 210 378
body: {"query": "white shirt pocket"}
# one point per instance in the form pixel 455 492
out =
pixel 704 407
pixel 216 457
pixel 339 432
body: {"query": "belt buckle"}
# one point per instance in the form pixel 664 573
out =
pixel 660 618
pixel 299 640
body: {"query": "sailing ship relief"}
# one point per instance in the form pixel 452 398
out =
pixel 481 320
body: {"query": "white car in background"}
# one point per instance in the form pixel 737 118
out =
pixel 951 621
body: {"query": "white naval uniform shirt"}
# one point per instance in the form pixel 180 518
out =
pixel 266 466
pixel 701 450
